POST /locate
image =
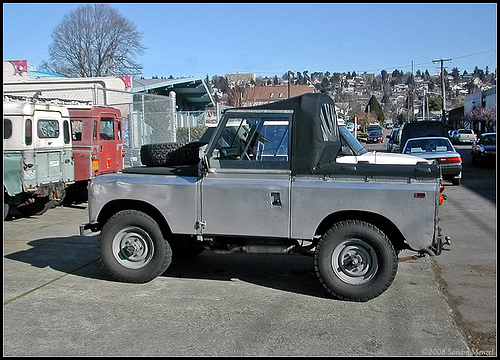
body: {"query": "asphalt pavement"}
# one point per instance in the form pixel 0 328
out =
pixel 59 301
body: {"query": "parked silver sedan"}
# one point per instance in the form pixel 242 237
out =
pixel 441 150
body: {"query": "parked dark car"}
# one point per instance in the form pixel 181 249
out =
pixel 417 129
pixel 484 150
pixel 441 150
pixel 391 138
pixel 374 134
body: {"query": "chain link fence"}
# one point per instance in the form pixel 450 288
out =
pixel 147 118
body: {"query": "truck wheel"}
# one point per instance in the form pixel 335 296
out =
pixel 132 248
pixel 355 261
pixel 171 154
pixel 455 180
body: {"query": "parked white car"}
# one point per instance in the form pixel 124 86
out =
pixel 360 154
pixel 441 150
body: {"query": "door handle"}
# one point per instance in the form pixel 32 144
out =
pixel 275 199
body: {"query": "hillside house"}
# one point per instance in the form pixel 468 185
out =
pixel 259 95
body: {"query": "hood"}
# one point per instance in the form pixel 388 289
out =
pixel 381 158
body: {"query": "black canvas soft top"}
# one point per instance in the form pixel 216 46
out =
pixel 309 150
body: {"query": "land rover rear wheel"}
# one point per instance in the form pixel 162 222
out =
pixel 132 248
pixel 355 261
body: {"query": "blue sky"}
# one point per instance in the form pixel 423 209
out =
pixel 269 39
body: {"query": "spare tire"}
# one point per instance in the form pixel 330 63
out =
pixel 171 154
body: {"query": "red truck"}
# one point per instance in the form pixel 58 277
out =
pixel 97 146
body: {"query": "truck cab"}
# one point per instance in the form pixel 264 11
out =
pixel 97 145
pixel 38 156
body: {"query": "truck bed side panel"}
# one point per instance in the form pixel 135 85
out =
pixel 396 200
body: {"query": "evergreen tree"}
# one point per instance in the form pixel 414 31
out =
pixel 374 107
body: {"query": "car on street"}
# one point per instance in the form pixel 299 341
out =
pixel 375 135
pixel 484 150
pixel 353 152
pixel 416 129
pixel 441 150
pixel 391 138
pixel 463 136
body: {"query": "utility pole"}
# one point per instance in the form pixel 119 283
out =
pixel 411 113
pixel 289 83
pixel 442 88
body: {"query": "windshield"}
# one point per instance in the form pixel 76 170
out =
pixel 349 140
pixel 375 132
pixel 428 145
pixel 490 140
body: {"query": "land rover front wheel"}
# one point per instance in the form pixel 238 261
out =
pixel 355 261
pixel 132 248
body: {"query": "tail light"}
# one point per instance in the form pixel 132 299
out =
pixel 442 197
pixel 123 152
pixel 453 160
pixel 95 160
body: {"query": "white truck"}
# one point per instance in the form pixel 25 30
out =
pixel 276 178
pixel 37 156
pixel 464 136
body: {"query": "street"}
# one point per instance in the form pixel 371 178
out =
pixel 59 301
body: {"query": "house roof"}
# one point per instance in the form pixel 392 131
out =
pixel 192 93
pixel 264 94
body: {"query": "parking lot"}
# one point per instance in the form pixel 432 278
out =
pixel 59 301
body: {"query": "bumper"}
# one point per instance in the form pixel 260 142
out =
pixel 88 228
pixel 451 170
pixel 438 244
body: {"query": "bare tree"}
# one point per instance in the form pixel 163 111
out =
pixel 487 117
pixel 235 96
pixel 92 41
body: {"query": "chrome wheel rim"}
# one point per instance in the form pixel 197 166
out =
pixel 354 262
pixel 133 247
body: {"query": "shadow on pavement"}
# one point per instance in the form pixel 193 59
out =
pixel 292 273
pixel 79 256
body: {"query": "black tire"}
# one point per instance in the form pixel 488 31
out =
pixel 355 261
pixel 171 154
pixel 132 248
pixel 473 159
